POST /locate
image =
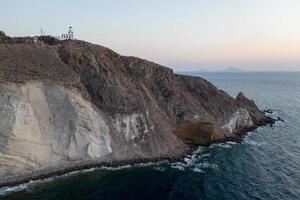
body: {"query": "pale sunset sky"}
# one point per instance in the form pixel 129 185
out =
pixel 181 34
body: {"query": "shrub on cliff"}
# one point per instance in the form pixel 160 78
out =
pixel 49 40
pixel 2 34
pixel 3 37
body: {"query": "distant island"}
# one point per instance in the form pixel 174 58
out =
pixel 203 70
pixel 232 69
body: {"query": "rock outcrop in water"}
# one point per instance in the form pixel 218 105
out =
pixel 72 101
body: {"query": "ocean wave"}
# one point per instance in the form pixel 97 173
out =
pixel 205 155
pixel 179 166
pixel 205 165
pixel 231 142
pixel 116 168
pixel 250 141
pixel 161 169
pixel 7 190
pixel 196 161
pixel 198 170
pixel 222 145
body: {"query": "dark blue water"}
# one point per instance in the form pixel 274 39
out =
pixel 266 165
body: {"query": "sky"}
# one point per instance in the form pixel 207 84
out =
pixel 182 34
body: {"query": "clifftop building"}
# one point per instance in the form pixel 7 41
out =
pixel 67 36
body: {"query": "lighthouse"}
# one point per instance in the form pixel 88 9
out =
pixel 70 32
pixel 69 35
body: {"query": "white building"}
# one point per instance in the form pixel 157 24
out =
pixel 67 36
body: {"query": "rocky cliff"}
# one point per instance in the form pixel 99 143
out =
pixel 72 101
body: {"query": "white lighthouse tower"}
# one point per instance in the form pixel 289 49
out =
pixel 69 35
pixel 70 32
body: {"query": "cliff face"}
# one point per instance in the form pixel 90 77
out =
pixel 75 101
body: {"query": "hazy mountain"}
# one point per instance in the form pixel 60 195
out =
pixel 232 69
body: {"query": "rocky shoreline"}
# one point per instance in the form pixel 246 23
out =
pixel 11 181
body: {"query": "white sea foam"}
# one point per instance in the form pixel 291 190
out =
pixel 232 143
pixel 179 166
pixel 222 145
pixel 194 156
pixel 198 170
pixel 145 164
pixel 205 155
pixel 199 150
pixel 90 170
pixel 206 165
pixel 250 141
pixel 7 190
pixel 116 168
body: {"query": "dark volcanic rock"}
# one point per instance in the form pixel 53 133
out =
pixel 257 115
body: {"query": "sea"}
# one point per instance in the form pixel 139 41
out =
pixel 264 166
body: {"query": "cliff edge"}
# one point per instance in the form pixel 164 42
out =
pixel 72 101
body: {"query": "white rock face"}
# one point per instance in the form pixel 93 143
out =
pixel 240 119
pixel 42 125
pixel 49 126
pixel 46 126
pixel 131 126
